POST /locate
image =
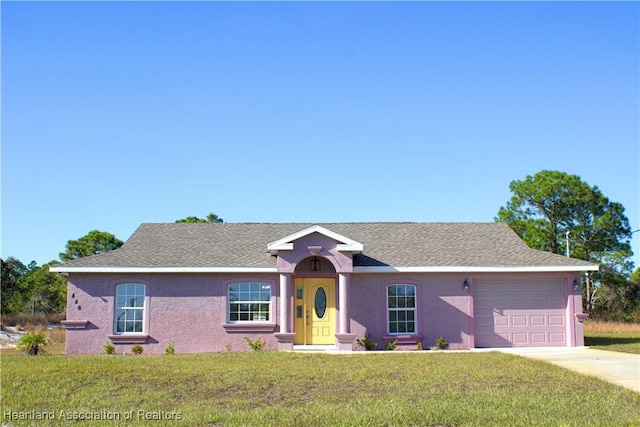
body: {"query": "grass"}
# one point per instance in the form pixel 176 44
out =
pixel 293 389
pixel 613 336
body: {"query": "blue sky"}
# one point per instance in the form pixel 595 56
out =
pixel 115 114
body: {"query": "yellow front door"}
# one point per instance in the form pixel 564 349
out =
pixel 315 309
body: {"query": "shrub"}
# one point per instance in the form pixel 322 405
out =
pixel 391 345
pixel 33 342
pixel 256 345
pixel 137 349
pixel 228 347
pixel 418 345
pixel 170 349
pixel 441 344
pixel 367 343
pixel 109 348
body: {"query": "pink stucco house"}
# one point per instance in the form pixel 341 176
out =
pixel 205 287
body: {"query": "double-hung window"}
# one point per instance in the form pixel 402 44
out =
pixel 129 310
pixel 249 302
pixel 401 309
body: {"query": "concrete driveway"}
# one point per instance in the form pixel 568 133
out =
pixel 618 368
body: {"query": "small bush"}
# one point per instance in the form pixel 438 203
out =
pixel 256 345
pixel 441 344
pixel 32 343
pixel 170 349
pixel 228 347
pixel 137 349
pixel 391 345
pixel 109 348
pixel 419 346
pixel 367 343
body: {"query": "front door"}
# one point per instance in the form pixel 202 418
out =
pixel 314 311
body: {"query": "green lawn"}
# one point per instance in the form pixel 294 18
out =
pixel 293 389
pixel 626 343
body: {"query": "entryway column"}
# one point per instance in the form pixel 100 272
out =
pixel 343 284
pixel 344 338
pixel 285 337
pixel 285 280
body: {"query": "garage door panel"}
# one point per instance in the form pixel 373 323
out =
pixel 519 338
pixel 557 338
pixel 539 338
pixel 519 320
pixel 485 304
pixel 555 303
pixel 501 321
pixel 536 303
pixel 537 320
pixel 556 320
pixel 554 287
pixel 518 303
pixel 519 314
pixel 484 322
pixel 501 304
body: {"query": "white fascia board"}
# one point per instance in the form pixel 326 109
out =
pixel 351 247
pixel 474 269
pixel 282 247
pixel 63 269
pixel 386 269
pixel 285 244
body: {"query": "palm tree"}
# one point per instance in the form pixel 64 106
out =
pixel 32 342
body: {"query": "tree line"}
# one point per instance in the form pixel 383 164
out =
pixel 551 211
pixel 559 213
pixel 33 289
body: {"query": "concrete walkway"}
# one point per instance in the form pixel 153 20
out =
pixel 618 368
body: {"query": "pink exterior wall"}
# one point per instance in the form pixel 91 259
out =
pixel 443 307
pixel 575 311
pixel 190 310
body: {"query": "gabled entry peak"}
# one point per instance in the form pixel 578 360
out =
pixel 286 243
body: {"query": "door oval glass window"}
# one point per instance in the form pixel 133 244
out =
pixel 320 303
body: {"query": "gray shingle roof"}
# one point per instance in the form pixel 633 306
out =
pixel 403 244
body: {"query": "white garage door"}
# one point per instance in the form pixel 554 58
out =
pixel 520 314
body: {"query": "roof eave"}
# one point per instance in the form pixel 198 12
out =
pixel 97 269
pixel 476 269
pixel 362 269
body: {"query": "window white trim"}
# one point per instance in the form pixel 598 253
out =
pixel 250 301
pixel 399 312
pixel 130 302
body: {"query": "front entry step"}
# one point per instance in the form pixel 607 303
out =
pixel 315 348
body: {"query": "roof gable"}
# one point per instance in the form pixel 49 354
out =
pixel 286 243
